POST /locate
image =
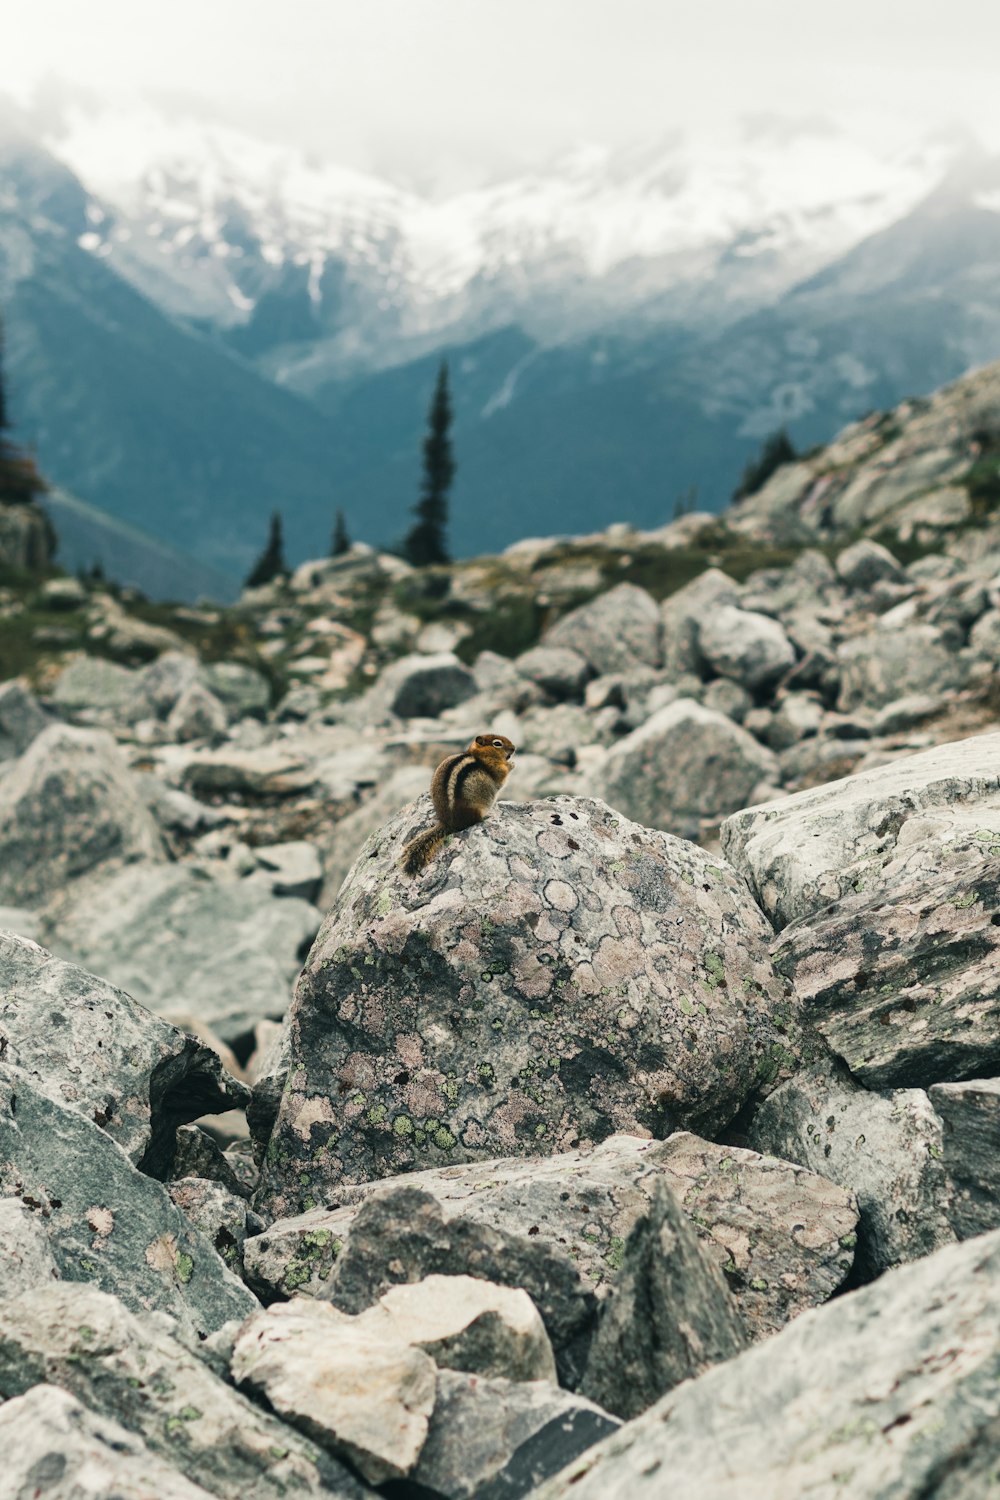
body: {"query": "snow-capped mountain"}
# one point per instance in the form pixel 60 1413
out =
pixel 326 269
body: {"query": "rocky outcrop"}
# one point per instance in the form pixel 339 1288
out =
pixel 556 975
pixel 895 1386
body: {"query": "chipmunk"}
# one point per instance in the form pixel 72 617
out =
pixel 463 789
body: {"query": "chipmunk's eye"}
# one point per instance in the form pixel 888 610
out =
pixel 499 744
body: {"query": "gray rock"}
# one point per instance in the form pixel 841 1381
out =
pixel 878 668
pixel 465 1323
pixel 244 692
pixel 904 713
pixel 106 1222
pixel 894 1386
pixel 223 950
pixel 422 686
pixel 683 765
pixel 984 637
pixel 196 1154
pixel 797 717
pixel 165 680
pixel 576 975
pixel 970 1114
pixel 130 1369
pixel 21 720
pixel 364 1396
pixel 747 647
pixel 248 773
pixel 559 670
pixel 100 1053
pixel 670 1315
pixel 866 563
pixel 25 1258
pixel 54 1446
pixel 886 1148
pixel 803 852
pixel 67 806
pixel 726 697
pixel 782 1236
pixel 615 632
pixel 197 715
pixel 684 612
pixel 293 868
pixel 89 685
pixel 904 983
pixel 498 1439
pixel 220 1215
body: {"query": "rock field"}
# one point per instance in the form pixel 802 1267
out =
pixel 646 1143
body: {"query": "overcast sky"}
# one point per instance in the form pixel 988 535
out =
pixel 453 91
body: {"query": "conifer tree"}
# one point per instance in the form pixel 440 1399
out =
pixel 20 481
pixel 427 543
pixel 340 542
pixel 778 449
pixel 271 563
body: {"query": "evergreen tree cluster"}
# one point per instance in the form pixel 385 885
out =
pixel 778 449
pixel 20 481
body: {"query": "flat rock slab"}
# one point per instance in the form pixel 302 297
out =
pixel 892 1390
pixel 904 982
pixel 130 1370
pixel 886 1148
pixel 94 1049
pixel 223 951
pixel 970 1116
pixel 781 1234
pixel 806 851
pixel 493 1439
pixel 107 1223
pixel 556 975
pixel 54 1447
pixel 357 1392
pixel 68 805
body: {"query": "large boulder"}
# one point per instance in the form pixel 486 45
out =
pixel 684 764
pixel 561 672
pixel 95 1050
pixel 106 1222
pixel 556 975
pixel 893 1390
pixel 422 687
pixel 225 951
pixel 243 692
pixel 616 632
pixel 878 668
pixel 781 1235
pixel 684 612
pixel 67 806
pixel 806 851
pixel 130 1370
pixel 747 647
pixel 91 688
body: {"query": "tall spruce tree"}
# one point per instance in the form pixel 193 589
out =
pixel 271 562
pixel 340 542
pixel 20 481
pixel 427 542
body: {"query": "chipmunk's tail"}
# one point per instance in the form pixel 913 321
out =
pixel 420 851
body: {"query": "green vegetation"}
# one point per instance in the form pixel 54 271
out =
pixel 20 481
pixel 778 449
pixel 426 543
pixel 983 479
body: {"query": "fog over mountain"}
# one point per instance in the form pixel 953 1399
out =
pixel 204 325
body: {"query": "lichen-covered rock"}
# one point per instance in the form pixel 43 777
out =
pixel 68 805
pixel 803 852
pixel 21 720
pixel 53 1446
pixel 904 984
pixel 684 764
pixel 358 1393
pixel 669 1317
pixel 106 1222
pixel 556 975
pixel 93 1049
pixel 970 1116
pixel 746 646
pixel 219 1214
pixel 130 1369
pixel 783 1236
pixel 895 1389
pixel 886 1148
pixel 499 1438
pixel 465 1323
pixel 183 942
pixel 25 1258
pixel 196 1154
pixel 615 632
pixel 866 563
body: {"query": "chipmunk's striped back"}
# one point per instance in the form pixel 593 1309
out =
pixel 463 790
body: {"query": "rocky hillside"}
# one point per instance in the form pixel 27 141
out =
pixel 651 1129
